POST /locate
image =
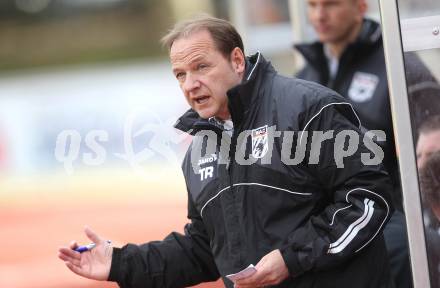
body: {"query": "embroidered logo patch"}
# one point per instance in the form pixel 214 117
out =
pixel 362 86
pixel 259 142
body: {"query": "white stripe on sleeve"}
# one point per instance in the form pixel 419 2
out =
pixel 353 229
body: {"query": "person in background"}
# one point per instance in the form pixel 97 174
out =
pixel 349 58
pixel 429 175
pixel 428 141
pixel 428 163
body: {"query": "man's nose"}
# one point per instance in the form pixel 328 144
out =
pixel 320 12
pixel 191 83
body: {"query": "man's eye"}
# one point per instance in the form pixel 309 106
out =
pixel 202 66
pixel 180 75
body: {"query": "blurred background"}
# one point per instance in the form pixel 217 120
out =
pixel 87 104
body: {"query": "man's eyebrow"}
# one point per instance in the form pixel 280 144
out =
pixel 197 58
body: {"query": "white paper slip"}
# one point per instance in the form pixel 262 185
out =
pixel 250 270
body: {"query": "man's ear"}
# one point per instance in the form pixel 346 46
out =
pixel 237 60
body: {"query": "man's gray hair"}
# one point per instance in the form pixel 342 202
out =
pixel 223 33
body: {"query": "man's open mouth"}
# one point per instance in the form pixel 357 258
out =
pixel 202 99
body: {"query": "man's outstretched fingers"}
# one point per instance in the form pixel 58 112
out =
pixel 67 258
pixel 69 252
pixel 73 245
pixel 92 236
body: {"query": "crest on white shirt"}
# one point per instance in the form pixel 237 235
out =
pixel 363 86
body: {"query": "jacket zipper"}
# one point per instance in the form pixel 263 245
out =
pixel 230 169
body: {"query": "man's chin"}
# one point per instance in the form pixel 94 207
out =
pixel 325 39
pixel 205 114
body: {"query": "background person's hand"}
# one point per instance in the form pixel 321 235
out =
pixel 271 270
pixel 94 264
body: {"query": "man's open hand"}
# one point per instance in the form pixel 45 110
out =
pixel 94 264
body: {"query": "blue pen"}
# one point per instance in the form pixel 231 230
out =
pixel 87 247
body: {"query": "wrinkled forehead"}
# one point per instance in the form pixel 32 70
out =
pixel 198 43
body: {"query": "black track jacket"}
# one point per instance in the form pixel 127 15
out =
pixel 362 80
pixel 325 220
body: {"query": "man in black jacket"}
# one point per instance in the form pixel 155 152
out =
pixel 313 219
pixel 349 59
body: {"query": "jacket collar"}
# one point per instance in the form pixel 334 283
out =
pixel 244 95
pixel 369 36
pixel 191 123
pixel 240 98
